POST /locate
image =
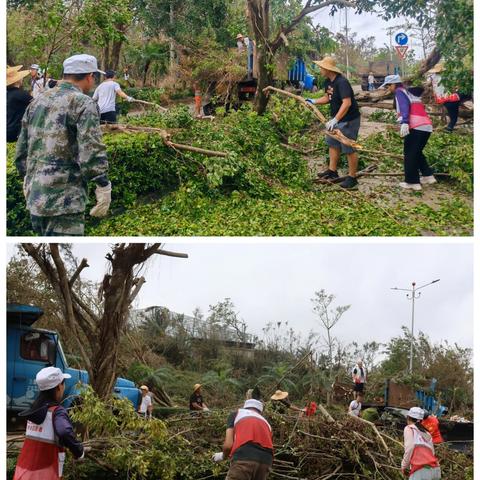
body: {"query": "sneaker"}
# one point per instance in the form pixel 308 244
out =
pixel 410 186
pixel 328 174
pixel 428 180
pixel 349 182
pixel 448 130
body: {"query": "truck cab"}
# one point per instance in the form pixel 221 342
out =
pixel 30 349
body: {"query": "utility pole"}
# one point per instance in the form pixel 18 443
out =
pixel 346 42
pixel 413 295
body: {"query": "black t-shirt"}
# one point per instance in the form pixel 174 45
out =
pixel 17 103
pixel 196 398
pixel 337 90
pixel 250 451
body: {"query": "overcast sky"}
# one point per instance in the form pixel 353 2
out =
pixel 366 25
pixel 275 281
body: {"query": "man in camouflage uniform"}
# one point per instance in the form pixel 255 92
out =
pixel 60 150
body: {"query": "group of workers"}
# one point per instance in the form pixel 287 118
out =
pixel 248 439
pixel 415 126
pixel 60 149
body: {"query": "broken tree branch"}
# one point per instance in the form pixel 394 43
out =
pixel 121 128
pixel 336 133
pixel 83 264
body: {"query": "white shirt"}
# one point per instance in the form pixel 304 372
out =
pixel 371 79
pixel 355 408
pixel 146 402
pixel 105 95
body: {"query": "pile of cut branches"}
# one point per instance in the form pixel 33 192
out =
pixel 181 447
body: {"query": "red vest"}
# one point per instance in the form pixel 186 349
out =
pixel 250 426
pixel 432 425
pixel 423 454
pixel 418 115
pixel 41 458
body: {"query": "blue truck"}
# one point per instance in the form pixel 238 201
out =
pixel 30 349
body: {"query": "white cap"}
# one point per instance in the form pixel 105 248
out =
pixel 81 64
pixel 389 79
pixel 252 403
pixel 50 377
pixel 34 66
pixel 416 412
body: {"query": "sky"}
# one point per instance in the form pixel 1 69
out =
pixel 274 281
pixel 365 25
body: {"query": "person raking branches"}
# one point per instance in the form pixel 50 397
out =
pixel 345 117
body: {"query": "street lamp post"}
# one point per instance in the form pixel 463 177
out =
pixel 412 295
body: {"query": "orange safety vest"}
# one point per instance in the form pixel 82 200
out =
pixel 432 425
pixel 41 457
pixel 251 427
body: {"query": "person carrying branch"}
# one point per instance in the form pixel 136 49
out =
pixel 415 129
pixel 60 150
pixel 419 461
pixel 345 117
pixel 105 95
pixel 49 431
pixel 248 442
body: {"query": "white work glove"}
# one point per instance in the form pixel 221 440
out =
pixel 311 100
pixel 104 197
pixel 130 99
pixel 331 124
pixel 206 409
pixel 217 457
pixel 404 130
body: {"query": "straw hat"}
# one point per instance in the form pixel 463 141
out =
pixel 14 74
pixel 16 68
pixel 239 36
pixel 196 387
pixel 144 387
pixel 439 67
pixel 328 63
pixel 279 395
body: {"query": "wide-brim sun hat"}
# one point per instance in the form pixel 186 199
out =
pixel 14 74
pixel 416 413
pixel 196 387
pixel 279 395
pixel 438 68
pixel 239 36
pixel 144 387
pixel 391 80
pixel 328 63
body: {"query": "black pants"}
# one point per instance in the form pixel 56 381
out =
pixel 414 159
pixel 452 109
pixel 108 117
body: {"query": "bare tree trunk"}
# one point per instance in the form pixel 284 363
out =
pixel 145 71
pixel 102 330
pixel 106 56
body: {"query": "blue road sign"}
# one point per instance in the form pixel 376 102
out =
pixel 401 38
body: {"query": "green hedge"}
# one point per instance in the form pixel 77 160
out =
pixel 141 167
pixel 139 164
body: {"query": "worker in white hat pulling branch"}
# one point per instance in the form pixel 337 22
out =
pixel 248 443
pixel 49 431
pixel 146 407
